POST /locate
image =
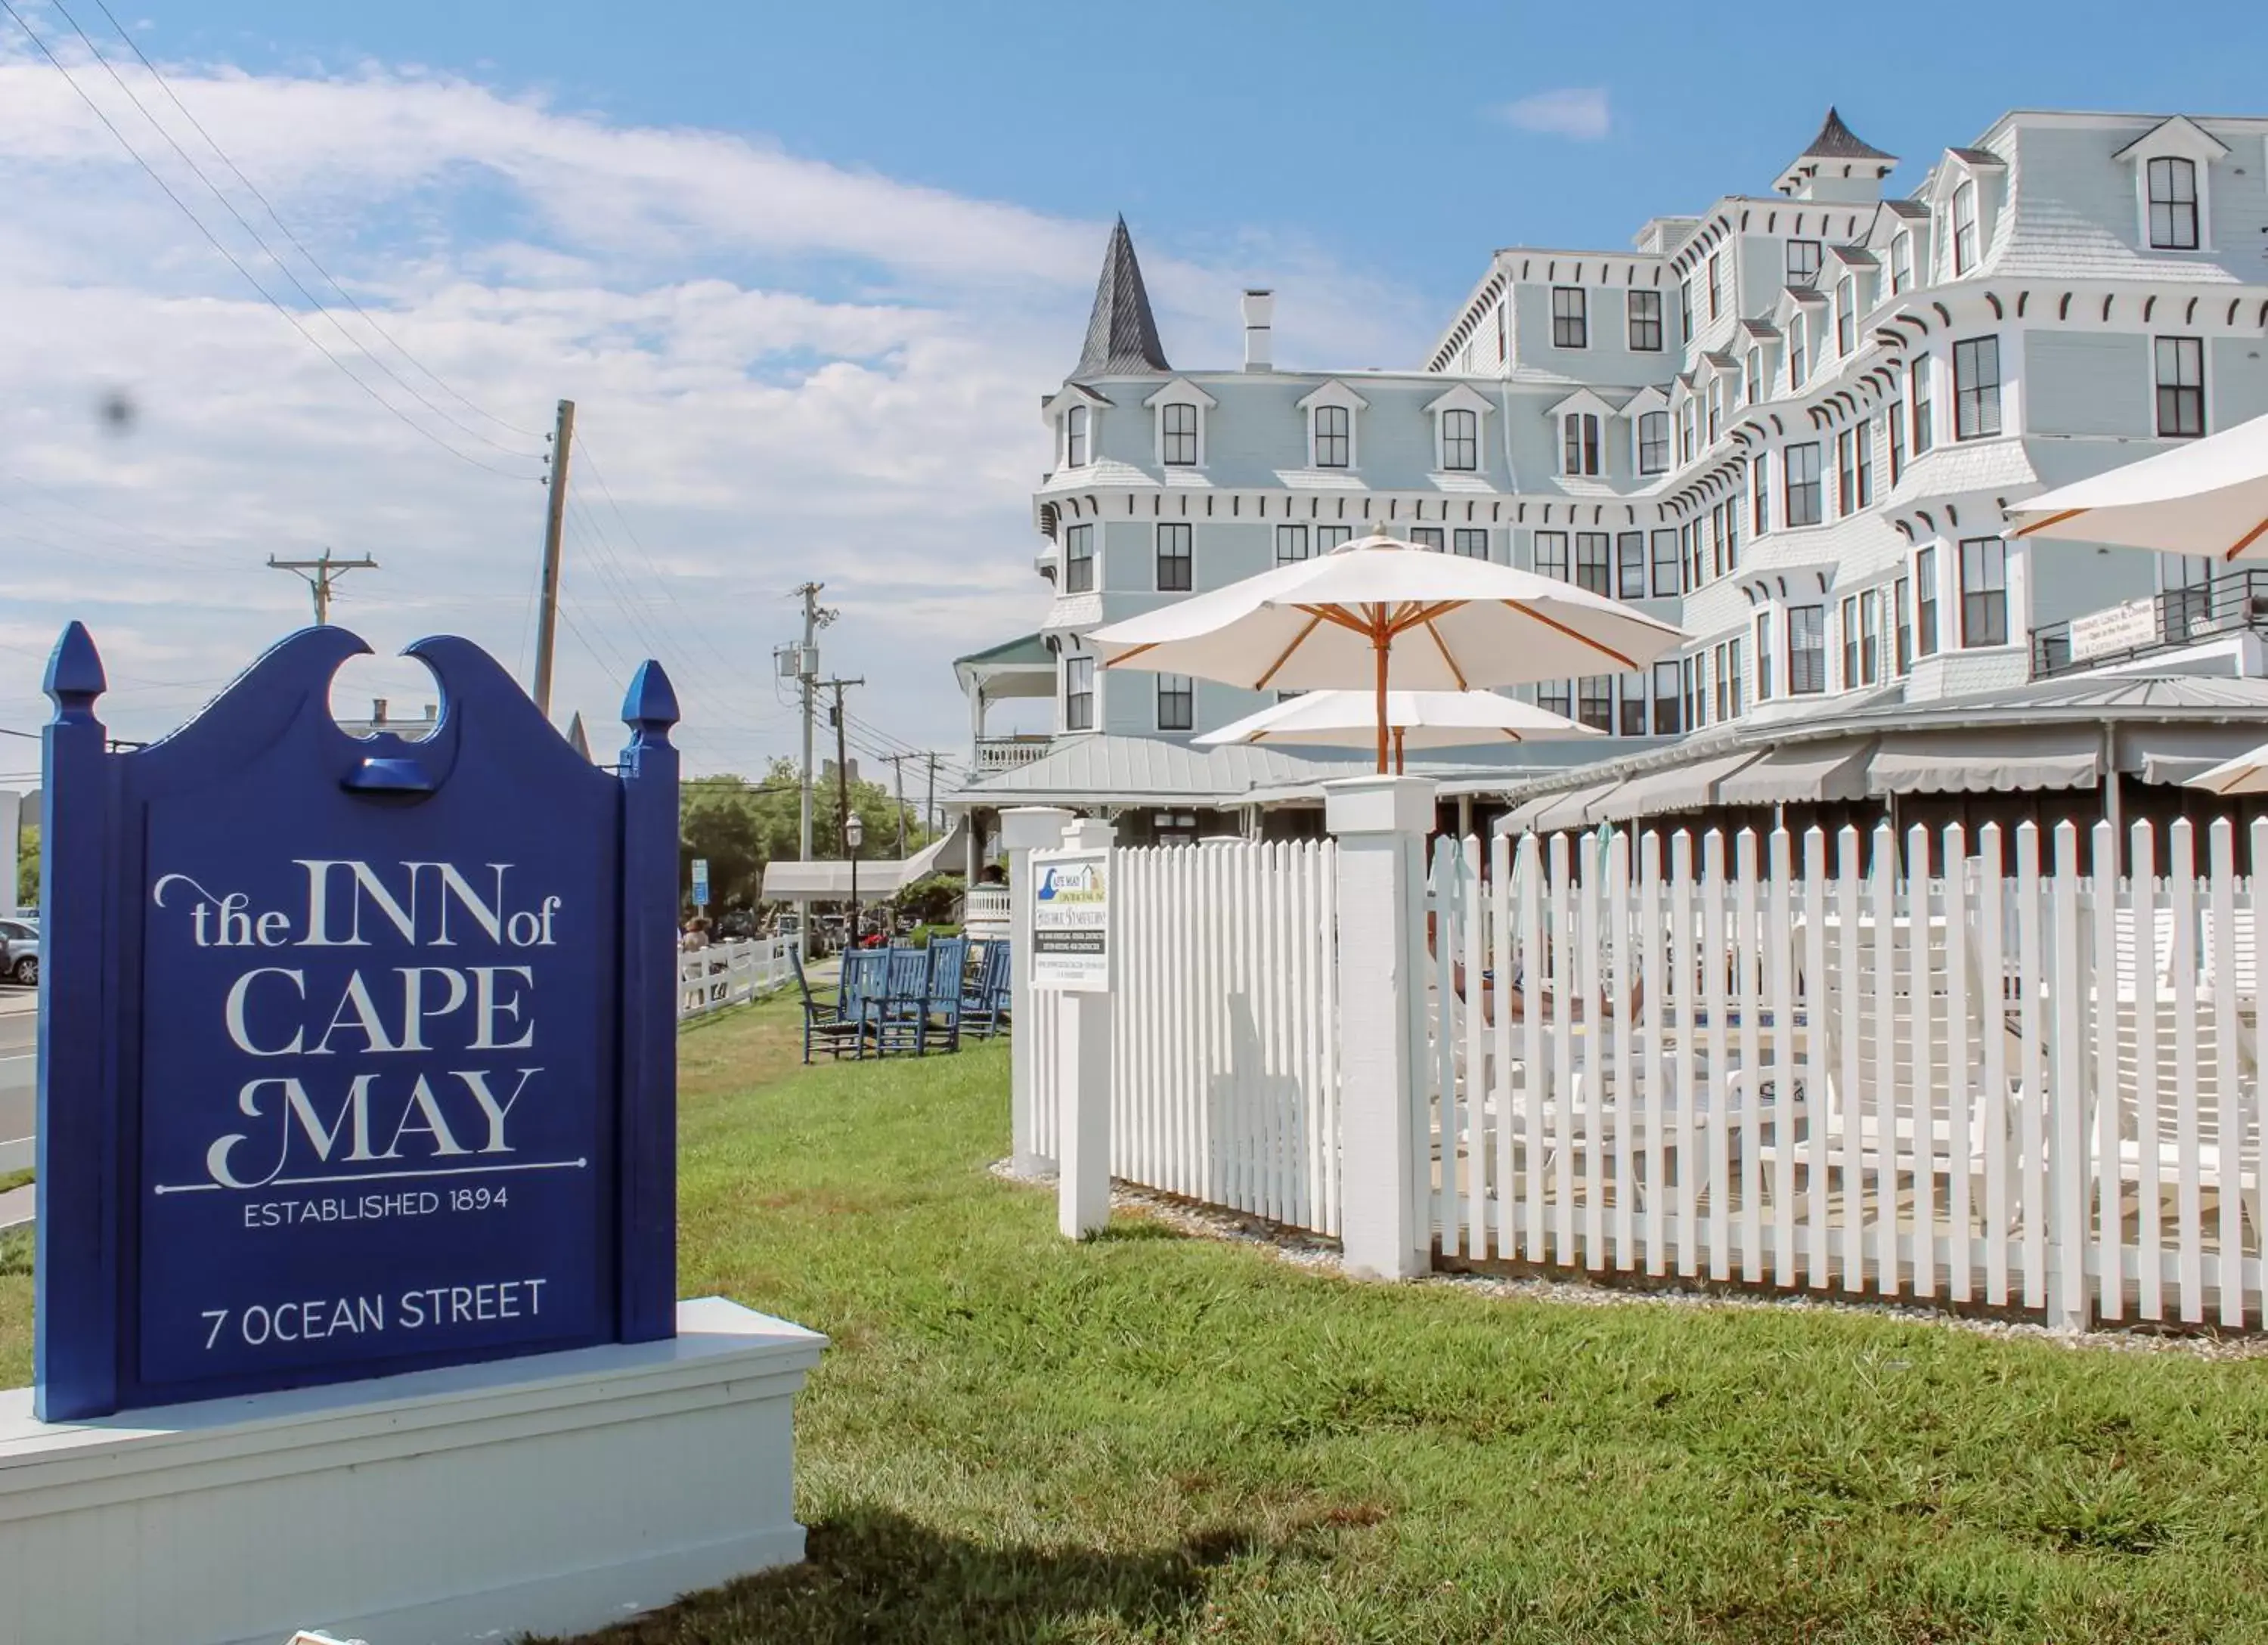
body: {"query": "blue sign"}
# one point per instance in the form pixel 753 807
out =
pixel 357 1053
pixel 700 882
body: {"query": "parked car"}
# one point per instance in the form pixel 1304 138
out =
pixel 19 952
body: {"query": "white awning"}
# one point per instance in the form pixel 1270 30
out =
pixel 1805 774
pixel 1567 809
pixel 829 880
pixel 1690 787
pixel 1987 762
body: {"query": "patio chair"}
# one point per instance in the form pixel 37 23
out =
pixel 1921 1133
pixel 898 1009
pixel 984 994
pixel 948 976
pixel 835 1026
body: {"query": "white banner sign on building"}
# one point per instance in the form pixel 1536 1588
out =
pixel 1070 921
pixel 2126 627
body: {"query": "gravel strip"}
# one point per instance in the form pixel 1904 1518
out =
pixel 1314 1251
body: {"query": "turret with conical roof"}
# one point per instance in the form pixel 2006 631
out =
pixel 1838 164
pixel 1121 335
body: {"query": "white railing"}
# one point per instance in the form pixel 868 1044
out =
pixel 988 907
pixel 1000 754
pixel 1225 1080
pixel 731 974
pixel 2014 1084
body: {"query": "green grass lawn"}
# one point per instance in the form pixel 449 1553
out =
pixel 1149 1437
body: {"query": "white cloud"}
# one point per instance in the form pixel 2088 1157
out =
pixel 1576 111
pixel 783 368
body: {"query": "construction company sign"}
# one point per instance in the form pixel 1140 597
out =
pixel 367 1067
pixel 1070 921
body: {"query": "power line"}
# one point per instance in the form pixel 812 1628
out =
pixel 369 319
pixel 283 268
pixel 583 446
pixel 233 261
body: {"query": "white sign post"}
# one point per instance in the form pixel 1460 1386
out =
pixel 1071 974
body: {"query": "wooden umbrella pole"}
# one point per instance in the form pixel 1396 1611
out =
pixel 1381 641
pixel 1401 762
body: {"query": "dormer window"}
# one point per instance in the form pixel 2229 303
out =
pixel 1579 443
pixel 1331 441
pixel 1457 429
pixel 1796 363
pixel 1846 316
pixel 1653 442
pixel 1180 409
pixel 2173 204
pixel 2173 165
pixel 1756 373
pixel 1716 409
pixel 1180 434
pixel 1461 441
pixel 1075 438
pixel 1901 261
pixel 1964 229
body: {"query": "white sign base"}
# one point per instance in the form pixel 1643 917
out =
pixel 554 1494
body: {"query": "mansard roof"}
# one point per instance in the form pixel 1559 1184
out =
pixel 1121 335
pixel 1837 142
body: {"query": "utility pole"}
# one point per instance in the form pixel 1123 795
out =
pixel 320 574
pixel 807 677
pixel 555 519
pixel 835 717
pixel 898 779
pixel 929 803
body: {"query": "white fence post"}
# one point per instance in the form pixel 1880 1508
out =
pixel 1381 823
pixel 1024 829
pixel 1083 1124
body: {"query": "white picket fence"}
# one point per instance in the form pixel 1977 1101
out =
pixel 1225 1080
pixel 731 974
pixel 2031 1088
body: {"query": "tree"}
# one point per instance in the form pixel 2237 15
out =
pixel 27 867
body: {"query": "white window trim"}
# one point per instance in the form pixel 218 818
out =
pixel 2179 138
pixel 1181 390
pixel 1059 413
pixel 1462 398
pixel 1093 695
pixel 1336 392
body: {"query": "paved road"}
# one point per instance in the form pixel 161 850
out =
pixel 19 1036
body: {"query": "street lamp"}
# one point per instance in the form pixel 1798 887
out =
pixel 854 832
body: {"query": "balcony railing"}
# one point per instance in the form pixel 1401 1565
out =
pixel 986 908
pixel 1002 754
pixel 2179 618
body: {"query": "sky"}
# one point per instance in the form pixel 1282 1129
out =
pixel 805 272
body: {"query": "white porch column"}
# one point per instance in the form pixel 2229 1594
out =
pixel 1083 1127
pixel 1024 829
pixel 1380 824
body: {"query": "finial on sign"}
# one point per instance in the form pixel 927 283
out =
pixel 75 676
pixel 649 707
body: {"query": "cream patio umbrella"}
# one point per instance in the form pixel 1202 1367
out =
pixel 1388 613
pixel 2207 497
pixel 2246 774
pixel 1424 719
